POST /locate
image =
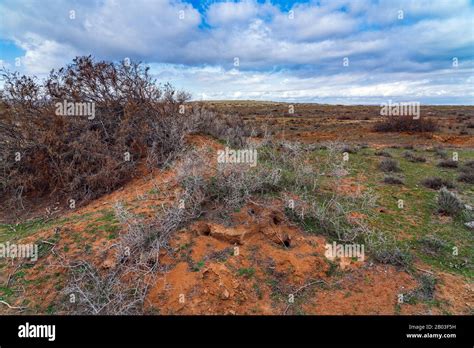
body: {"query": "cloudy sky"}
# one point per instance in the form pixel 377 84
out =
pixel 326 51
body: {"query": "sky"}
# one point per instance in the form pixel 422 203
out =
pixel 326 51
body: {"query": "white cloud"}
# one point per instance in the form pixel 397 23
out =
pixel 42 55
pixel 284 85
pixel 297 57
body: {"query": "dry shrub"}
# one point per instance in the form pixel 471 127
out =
pixel 297 174
pixel 82 157
pixel 467 172
pixel 466 177
pixel 382 153
pixel 113 292
pixel 468 166
pixel 386 249
pixel 122 288
pixel 389 165
pixel 447 164
pixel 440 152
pixel 234 186
pixel 449 203
pixel 231 129
pixel 392 180
pixel 436 183
pixel 406 124
pixel 412 157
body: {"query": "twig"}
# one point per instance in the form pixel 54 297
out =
pixel 424 270
pixel 307 285
pixel 11 307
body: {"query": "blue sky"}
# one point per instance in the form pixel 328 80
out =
pixel 417 50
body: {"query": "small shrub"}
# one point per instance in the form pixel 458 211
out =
pixel 383 154
pixel 393 180
pixel 467 166
pixel 410 156
pixel 104 293
pixel 406 124
pixel 389 165
pixel 466 177
pixel 386 249
pixel 425 291
pixel 449 203
pixel 448 164
pixel 342 118
pixel 436 183
pixel 349 149
pixel 432 244
pixel 440 152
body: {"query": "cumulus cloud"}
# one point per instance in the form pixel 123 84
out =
pixel 408 47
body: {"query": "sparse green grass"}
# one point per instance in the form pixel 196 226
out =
pixel 419 218
pixel 198 266
pixel 106 223
pixel 5 293
pixel 15 232
pixel 246 272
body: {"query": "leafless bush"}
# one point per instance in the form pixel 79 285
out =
pixel 122 288
pixel 231 129
pixel 234 185
pixel 332 215
pixel 436 183
pixel 111 292
pixel 385 248
pixel 466 177
pixel 382 153
pixel 424 292
pixel 440 152
pixel 467 166
pixel 406 124
pixel 46 151
pixel 467 172
pixel 146 239
pixel 410 156
pixel 447 164
pixel 290 158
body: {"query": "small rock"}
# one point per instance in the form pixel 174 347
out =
pixel 470 224
pixel 468 207
pixel 225 294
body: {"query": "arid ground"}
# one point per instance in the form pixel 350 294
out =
pixel 264 255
